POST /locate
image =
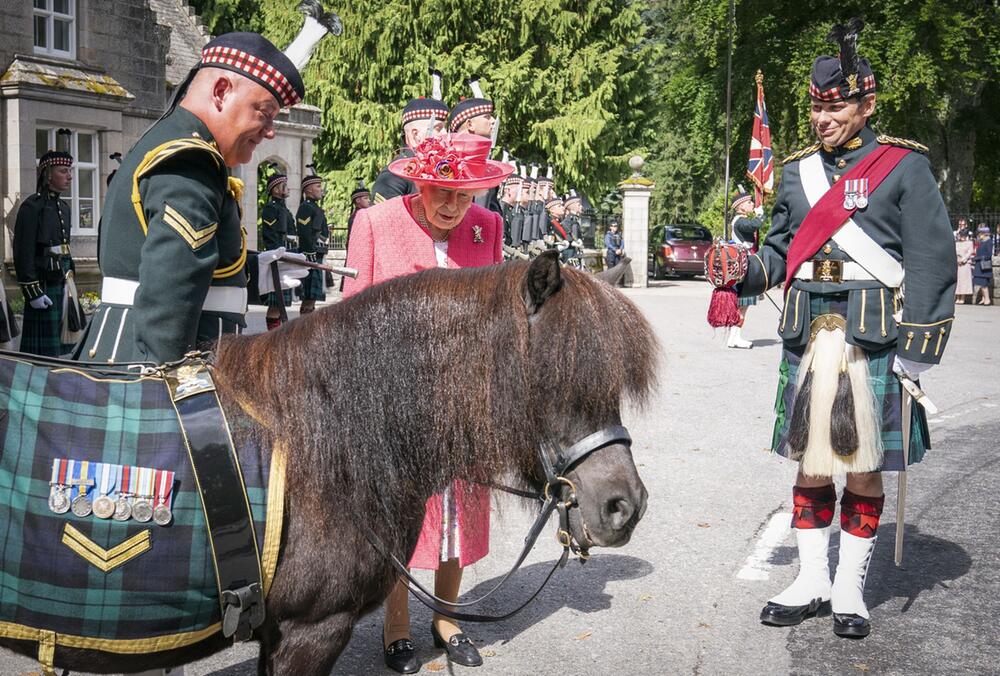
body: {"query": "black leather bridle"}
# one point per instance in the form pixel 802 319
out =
pixel 559 494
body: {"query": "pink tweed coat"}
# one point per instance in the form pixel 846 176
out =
pixel 387 242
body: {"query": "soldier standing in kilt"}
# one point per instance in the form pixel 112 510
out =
pixel 854 213
pixel 746 232
pixel 314 234
pixel 278 223
pixel 42 258
pixel 173 250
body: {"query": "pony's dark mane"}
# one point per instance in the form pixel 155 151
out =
pixel 393 392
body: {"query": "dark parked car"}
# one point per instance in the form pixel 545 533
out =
pixel 678 250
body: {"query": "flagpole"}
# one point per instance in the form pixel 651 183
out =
pixel 758 190
pixel 729 119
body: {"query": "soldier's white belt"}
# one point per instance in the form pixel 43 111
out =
pixel 832 271
pixel 232 299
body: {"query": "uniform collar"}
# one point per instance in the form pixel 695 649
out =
pixel 859 140
pixel 193 123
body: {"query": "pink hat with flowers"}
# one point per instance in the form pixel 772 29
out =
pixel 453 161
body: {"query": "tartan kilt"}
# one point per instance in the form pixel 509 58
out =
pixel 746 301
pixel 313 286
pixel 9 328
pixel 114 586
pixel 885 387
pixel 271 299
pixel 41 330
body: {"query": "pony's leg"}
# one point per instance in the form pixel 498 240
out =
pixel 310 648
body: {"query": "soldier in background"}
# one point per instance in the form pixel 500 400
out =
pixel 574 206
pixel 422 118
pixel 314 235
pixel 476 116
pixel 277 223
pixel 42 257
pixel 746 230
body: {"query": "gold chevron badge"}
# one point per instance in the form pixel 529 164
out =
pixel 105 559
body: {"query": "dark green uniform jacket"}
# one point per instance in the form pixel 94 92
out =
pixel 387 185
pixel 314 234
pixel 276 224
pixel 41 232
pixel 745 228
pixel 907 218
pixel 171 225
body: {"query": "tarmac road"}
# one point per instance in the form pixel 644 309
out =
pixel 684 595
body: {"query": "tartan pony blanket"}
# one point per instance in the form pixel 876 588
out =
pixel 103 537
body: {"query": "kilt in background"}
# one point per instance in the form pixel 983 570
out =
pixel 746 301
pixel 272 299
pixel 168 590
pixel 41 329
pixel 885 386
pixel 314 285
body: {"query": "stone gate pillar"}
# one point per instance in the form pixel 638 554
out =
pixel 636 191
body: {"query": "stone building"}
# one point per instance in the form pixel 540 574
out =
pixel 89 76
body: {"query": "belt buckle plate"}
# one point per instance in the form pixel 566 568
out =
pixel 828 271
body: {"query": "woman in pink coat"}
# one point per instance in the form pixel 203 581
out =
pixel 437 227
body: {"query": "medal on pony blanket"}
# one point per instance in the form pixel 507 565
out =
pixel 107 478
pixel 725 267
pixel 126 489
pixel 164 487
pixel 83 480
pixel 59 491
pixel 142 508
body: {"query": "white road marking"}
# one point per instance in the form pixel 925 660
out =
pixel 757 565
pixel 969 410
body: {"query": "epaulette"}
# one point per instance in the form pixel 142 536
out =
pixel 799 154
pixel 901 142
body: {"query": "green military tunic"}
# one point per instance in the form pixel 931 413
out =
pixel 172 249
pixel 314 234
pixel 906 217
pixel 387 185
pixel 277 223
pixel 41 261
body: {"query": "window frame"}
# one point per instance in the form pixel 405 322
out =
pixel 51 16
pixel 74 198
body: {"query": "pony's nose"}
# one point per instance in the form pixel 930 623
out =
pixel 618 512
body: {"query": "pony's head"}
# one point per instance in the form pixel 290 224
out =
pixel 593 350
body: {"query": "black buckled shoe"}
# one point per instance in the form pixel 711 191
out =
pixel 400 656
pixel 778 615
pixel 460 649
pixel 851 625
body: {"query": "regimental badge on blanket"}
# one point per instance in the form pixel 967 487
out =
pixel 106 491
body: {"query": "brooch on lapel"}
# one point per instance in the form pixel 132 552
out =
pixel 477 234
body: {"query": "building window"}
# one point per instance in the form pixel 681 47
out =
pixel 55 28
pixel 85 196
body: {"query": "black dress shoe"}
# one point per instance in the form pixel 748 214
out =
pixel 459 648
pixel 851 625
pixel 785 616
pixel 400 656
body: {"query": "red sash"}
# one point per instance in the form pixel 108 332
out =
pixel 558 226
pixel 828 214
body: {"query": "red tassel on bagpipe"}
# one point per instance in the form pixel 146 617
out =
pixel 725 267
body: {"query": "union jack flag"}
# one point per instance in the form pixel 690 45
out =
pixel 760 169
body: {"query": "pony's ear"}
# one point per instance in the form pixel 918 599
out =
pixel 543 280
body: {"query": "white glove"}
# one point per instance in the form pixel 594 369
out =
pixel 41 303
pixel 289 274
pixel 907 367
pixel 759 211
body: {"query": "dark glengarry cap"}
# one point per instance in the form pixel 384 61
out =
pixel 466 109
pixel 311 177
pixel 55 158
pixel 424 109
pixel 253 56
pixel 276 179
pixel 359 191
pixel 740 199
pixel 834 78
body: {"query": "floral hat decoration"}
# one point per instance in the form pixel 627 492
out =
pixel 459 161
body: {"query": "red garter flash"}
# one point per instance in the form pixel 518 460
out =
pixel 859 514
pixel 725 266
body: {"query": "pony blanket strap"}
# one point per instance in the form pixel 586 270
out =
pixel 227 508
pixel 830 212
